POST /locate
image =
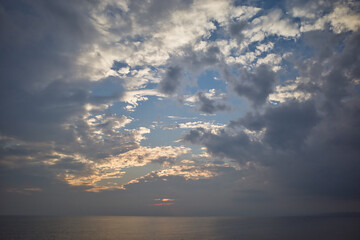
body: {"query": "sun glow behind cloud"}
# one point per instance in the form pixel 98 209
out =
pixel 163 202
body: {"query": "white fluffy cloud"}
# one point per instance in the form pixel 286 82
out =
pixel 342 17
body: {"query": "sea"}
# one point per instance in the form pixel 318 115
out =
pixel 119 227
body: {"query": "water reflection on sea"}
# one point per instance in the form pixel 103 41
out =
pixel 87 228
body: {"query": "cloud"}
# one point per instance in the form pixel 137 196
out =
pixel 289 91
pixel 171 80
pixel 340 16
pixel 163 202
pixel 255 86
pixel 187 172
pixel 283 27
pixel 94 174
pixel 288 125
pixel 51 81
pixel 208 102
pixel 208 105
pixel 180 118
pixel 265 47
pixel 274 23
pixel 271 60
pixel 73 73
pixel 236 30
pixel 24 190
pixel 197 124
pixel 164 199
pixel 306 143
pixel 292 145
pixel 134 97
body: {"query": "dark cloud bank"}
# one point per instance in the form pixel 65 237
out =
pixel 310 146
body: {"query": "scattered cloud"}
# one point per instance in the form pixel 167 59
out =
pixel 114 167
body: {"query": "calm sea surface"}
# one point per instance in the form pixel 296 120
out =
pixel 87 228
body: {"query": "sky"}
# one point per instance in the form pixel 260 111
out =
pixel 179 108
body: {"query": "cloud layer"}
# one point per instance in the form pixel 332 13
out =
pixel 228 107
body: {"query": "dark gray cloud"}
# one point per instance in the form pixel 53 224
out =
pixel 303 150
pixel 236 29
pixel 237 147
pixel 39 86
pixel 171 81
pixel 195 61
pixel 287 126
pixel 39 114
pixel 255 86
pixel 190 62
pixel 208 105
pixel 47 96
